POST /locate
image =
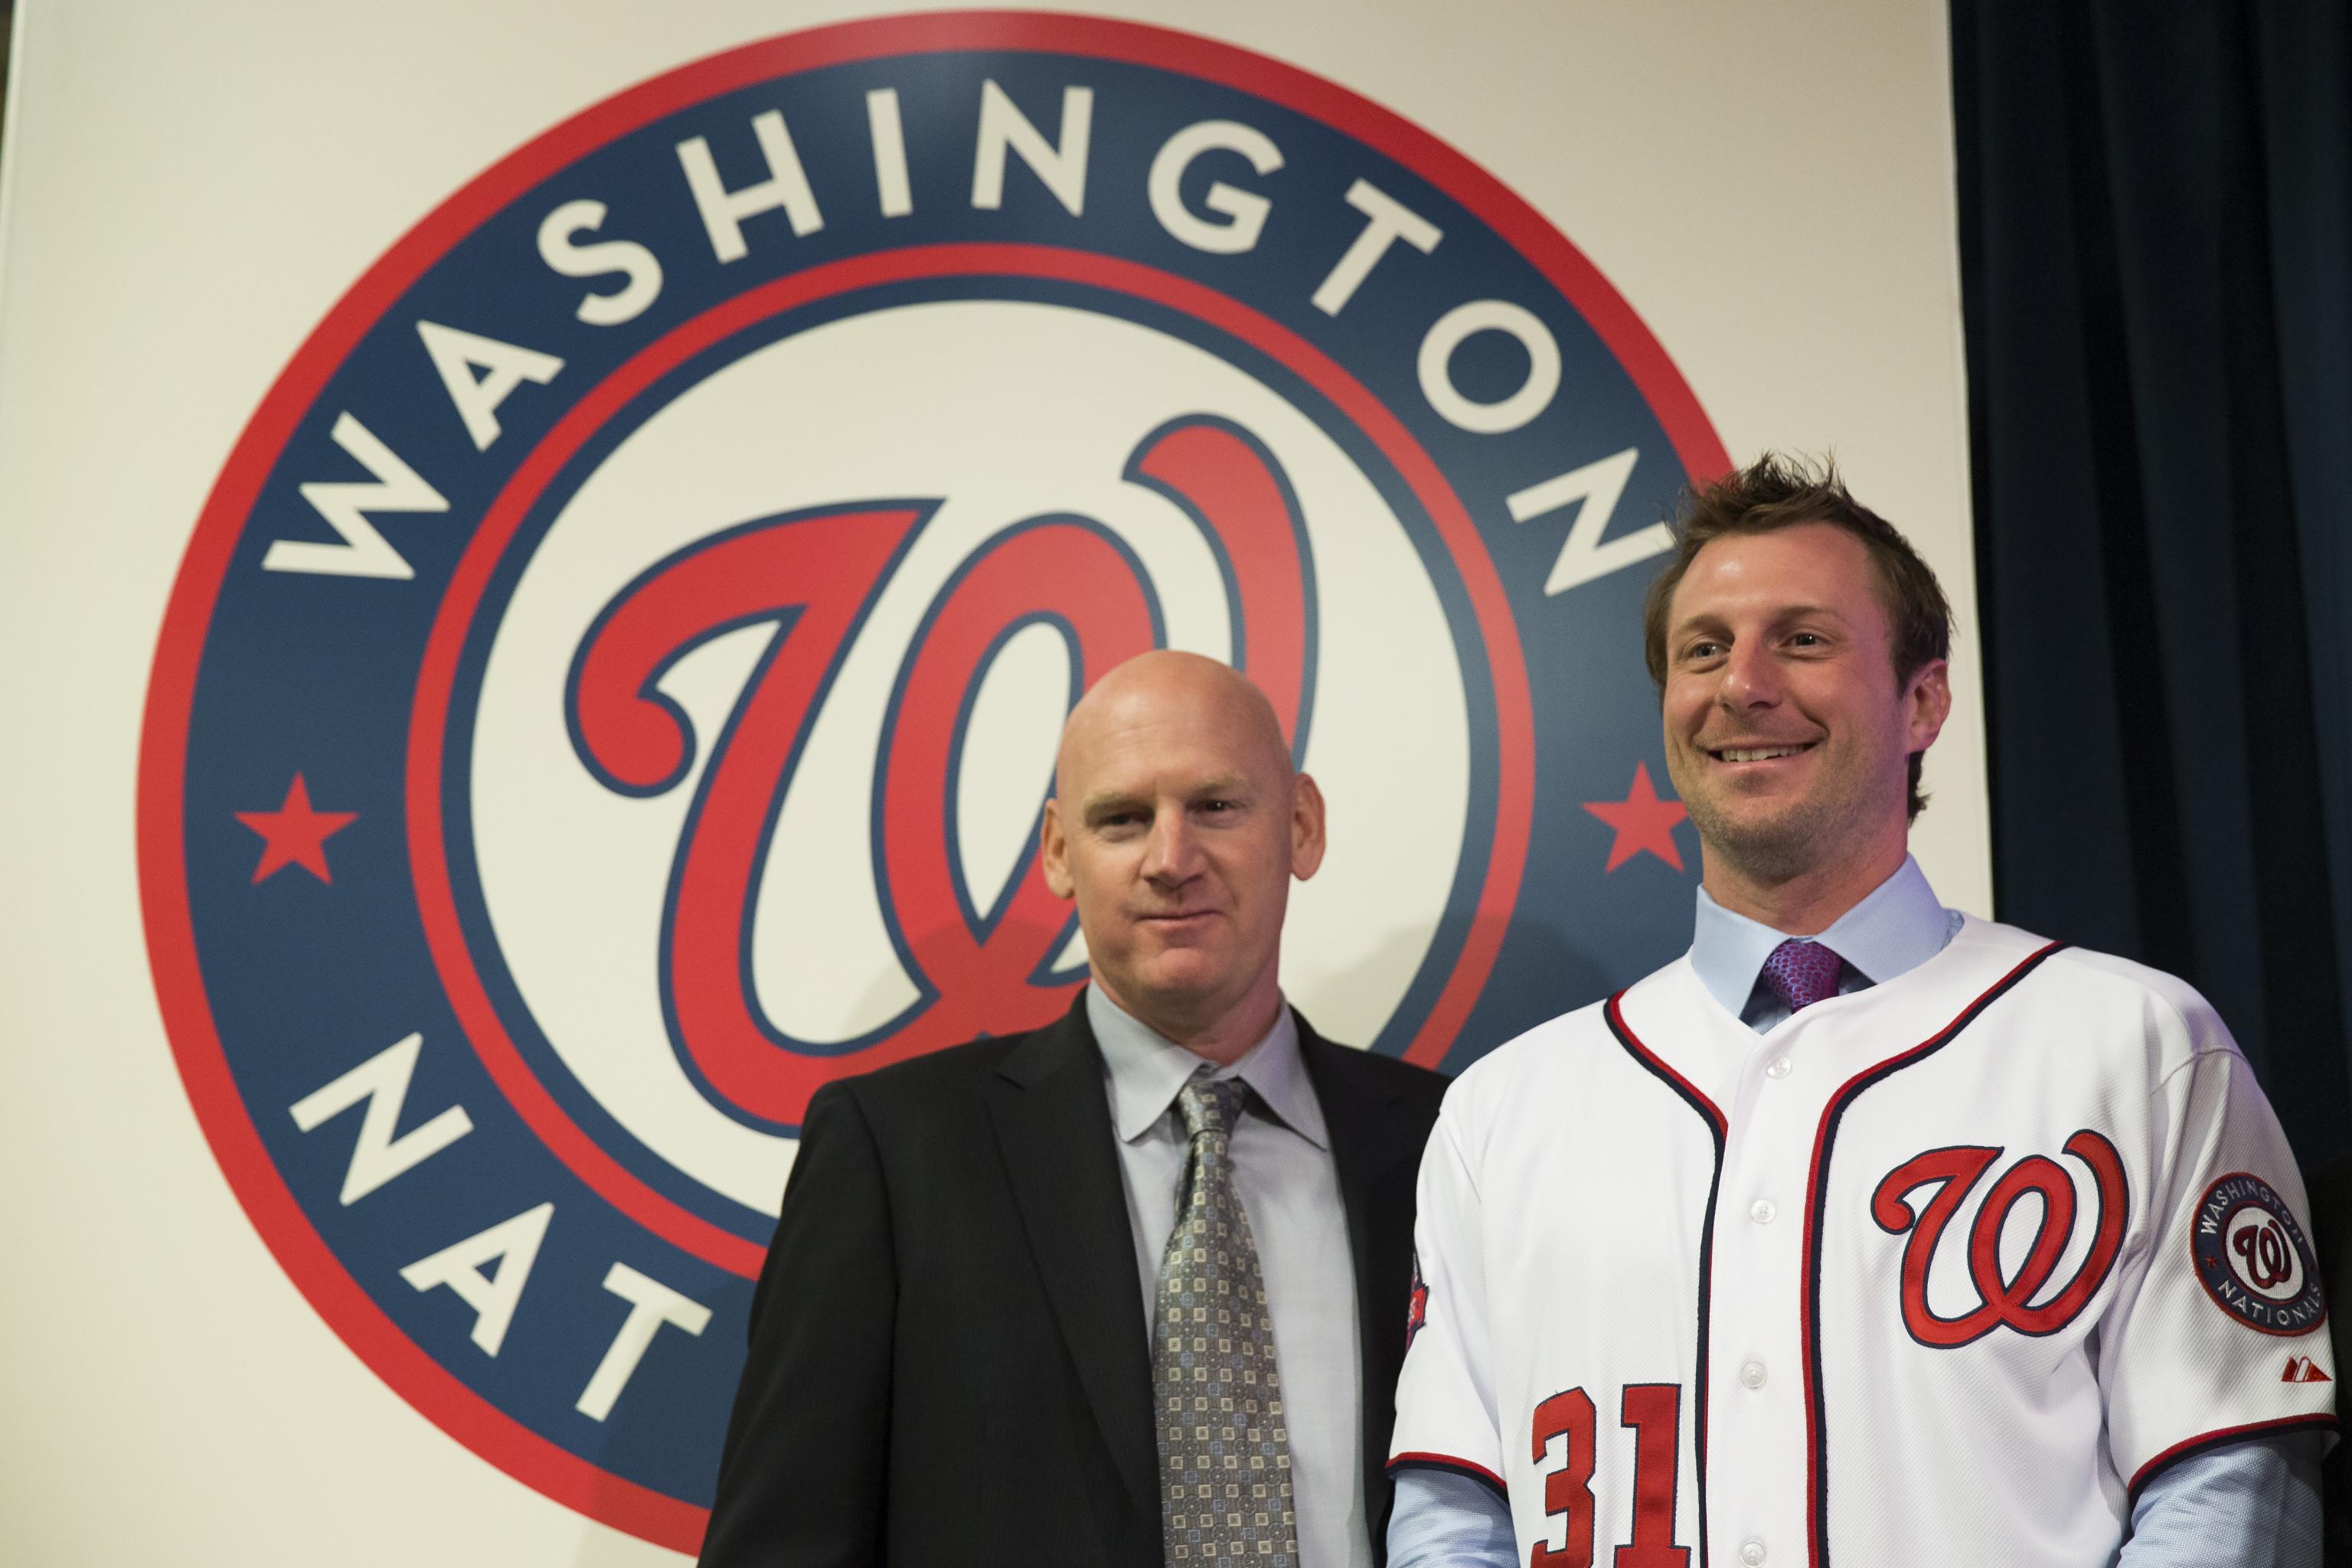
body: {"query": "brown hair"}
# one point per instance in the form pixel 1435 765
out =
pixel 1775 492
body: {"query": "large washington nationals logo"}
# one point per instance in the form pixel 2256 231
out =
pixel 2024 1299
pixel 613 687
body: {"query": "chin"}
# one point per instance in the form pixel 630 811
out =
pixel 1185 980
pixel 1776 844
pixel 1180 980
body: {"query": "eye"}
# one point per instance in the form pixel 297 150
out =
pixel 1700 651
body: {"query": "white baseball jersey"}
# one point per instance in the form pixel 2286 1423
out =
pixel 1941 1271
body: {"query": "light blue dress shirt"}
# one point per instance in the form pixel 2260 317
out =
pixel 2253 1504
pixel 1289 1187
pixel 1898 927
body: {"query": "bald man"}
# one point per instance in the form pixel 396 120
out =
pixel 1128 1290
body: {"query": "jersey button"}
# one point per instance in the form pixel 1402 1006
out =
pixel 1752 1554
pixel 1779 1068
pixel 1762 1211
pixel 1752 1375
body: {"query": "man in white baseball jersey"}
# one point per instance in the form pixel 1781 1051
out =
pixel 1865 1232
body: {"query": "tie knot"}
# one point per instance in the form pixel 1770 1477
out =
pixel 1210 1105
pixel 1801 973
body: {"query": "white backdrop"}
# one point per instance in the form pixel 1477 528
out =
pixel 188 189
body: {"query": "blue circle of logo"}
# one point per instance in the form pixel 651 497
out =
pixel 611 689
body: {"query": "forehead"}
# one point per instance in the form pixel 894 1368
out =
pixel 1168 744
pixel 1809 564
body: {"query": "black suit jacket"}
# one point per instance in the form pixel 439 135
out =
pixel 949 1360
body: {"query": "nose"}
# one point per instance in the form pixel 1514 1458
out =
pixel 1172 856
pixel 1749 678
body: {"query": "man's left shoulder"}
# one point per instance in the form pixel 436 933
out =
pixel 1399 1088
pixel 2137 1000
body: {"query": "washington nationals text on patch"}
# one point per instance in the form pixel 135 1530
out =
pixel 1941 1271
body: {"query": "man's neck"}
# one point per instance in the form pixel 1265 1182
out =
pixel 1806 904
pixel 1222 1035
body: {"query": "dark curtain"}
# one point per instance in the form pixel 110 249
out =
pixel 2155 242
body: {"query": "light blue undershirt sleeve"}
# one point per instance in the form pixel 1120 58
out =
pixel 1444 1520
pixel 2253 1504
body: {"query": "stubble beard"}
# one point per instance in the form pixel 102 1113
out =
pixel 1774 849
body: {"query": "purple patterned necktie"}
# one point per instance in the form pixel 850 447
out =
pixel 1801 973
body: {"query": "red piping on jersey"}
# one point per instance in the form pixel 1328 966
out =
pixel 1614 1012
pixel 1817 1511
pixel 2215 1440
pixel 1418 1461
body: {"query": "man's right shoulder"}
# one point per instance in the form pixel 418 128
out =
pixel 1527 1062
pixel 952 1075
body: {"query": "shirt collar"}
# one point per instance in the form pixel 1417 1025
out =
pixel 1897 928
pixel 1147 1069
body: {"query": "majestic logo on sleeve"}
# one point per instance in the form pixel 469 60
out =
pixel 2026 1295
pixel 613 687
pixel 2252 1259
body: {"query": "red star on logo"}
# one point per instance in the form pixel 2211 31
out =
pixel 294 835
pixel 1642 821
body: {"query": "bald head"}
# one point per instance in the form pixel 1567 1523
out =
pixel 1177 823
pixel 1167 690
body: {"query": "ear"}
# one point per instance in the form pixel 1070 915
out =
pixel 1054 852
pixel 1306 827
pixel 1927 703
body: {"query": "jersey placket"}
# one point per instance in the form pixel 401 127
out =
pixel 1757 1509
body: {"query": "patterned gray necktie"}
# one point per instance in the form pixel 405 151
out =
pixel 1224 1444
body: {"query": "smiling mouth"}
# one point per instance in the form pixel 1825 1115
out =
pixel 1758 753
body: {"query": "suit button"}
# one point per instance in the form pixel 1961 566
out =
pixel 1752 1375
pixel 1762 1211
pixel 1752 1554
pixel 1779 1068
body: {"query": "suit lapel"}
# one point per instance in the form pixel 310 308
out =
pixel 1367 1143
pixel 1052 1123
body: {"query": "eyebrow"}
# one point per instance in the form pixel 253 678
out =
pixel 1787 613
pixel 1095 804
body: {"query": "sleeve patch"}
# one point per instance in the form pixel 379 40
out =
pixel 1416 1314
pixel 2252 1259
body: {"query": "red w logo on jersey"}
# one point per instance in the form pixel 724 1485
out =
pixel 2002 1298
